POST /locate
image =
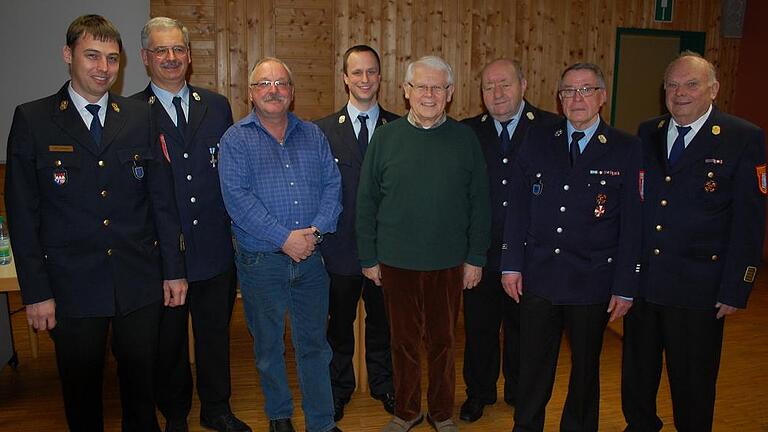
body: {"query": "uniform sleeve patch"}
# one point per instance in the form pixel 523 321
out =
pixel 762 181
pixel 749 274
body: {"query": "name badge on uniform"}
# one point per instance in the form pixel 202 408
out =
pixel 60 176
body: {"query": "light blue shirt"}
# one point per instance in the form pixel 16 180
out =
pixel 695 126
pixel 588 132
pixel 373 118
pixel 512 124
pixel 166 100
pixel 80 103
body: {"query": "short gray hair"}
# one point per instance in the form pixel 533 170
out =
pixel 162 23
pixel 432 62
pixel 583 66
pixel 267 60
pixel 514 64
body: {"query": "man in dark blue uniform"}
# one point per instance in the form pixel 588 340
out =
pixel 703 223
pixel 500 130
pixel 571 247
pixel 190 122
pixel 96 234
pixel 348 132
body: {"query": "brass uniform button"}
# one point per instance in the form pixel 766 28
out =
pixel 101 163
pixel 57 163
pixel 664 203
pixel 711 174
pixel 667 179
pixel 103 194
pixel 715 257
pixel 109 252
pixel 656 251
pixel 659 228
pixel 106 222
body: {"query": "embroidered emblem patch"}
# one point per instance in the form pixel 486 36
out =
pixel 762 181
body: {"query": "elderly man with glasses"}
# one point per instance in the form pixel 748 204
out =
pixel 571 247
pixel 423 229
pixel 283 191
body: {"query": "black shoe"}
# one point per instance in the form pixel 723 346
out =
pixel 224 423
pixel 176 425
pixel 281 425
pixel 387 400
pixel 338 409
pixel 471 410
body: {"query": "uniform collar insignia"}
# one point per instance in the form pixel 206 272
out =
pixel 530 115
pixel 63 105
pixel 342 119
pixel 115 107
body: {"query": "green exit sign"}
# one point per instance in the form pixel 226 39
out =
pixel 663 11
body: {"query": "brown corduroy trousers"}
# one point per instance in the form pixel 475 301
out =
pixel 423 305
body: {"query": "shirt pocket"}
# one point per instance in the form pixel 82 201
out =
pixel 133 167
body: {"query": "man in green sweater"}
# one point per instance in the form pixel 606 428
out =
pixel 423 226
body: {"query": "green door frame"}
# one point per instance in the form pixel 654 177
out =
pixel 689 40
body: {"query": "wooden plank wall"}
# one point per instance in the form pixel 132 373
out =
pixel 229 36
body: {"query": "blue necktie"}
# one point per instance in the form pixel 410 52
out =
pixel 362 136
pixel 95 123
pixel 181 120
pixel 679 145
pixel 575 150
pixel 505 141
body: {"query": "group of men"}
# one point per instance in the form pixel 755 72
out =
pixel 123 213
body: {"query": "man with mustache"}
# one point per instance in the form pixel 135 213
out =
pixel 95 229
pixel 190 122
pixel 349 131
pixel 282 189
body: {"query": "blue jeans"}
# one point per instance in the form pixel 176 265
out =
pixel 271 284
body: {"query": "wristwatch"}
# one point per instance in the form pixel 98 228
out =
pixel 318 236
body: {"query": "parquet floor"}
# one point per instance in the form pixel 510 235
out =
pixel 30 397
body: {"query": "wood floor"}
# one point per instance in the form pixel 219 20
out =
pixel 30 396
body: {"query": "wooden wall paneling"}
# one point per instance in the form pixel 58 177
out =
pixel 228 36
pixel 390 90
pixel 221 46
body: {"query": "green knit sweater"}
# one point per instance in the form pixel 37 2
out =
pixel 423 200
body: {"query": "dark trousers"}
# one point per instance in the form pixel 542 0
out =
pixel 346 292
pixel 486 308
pixel 210 302
pixel 423 306
pixel 541 329
pixel 81 344
pixel 692 340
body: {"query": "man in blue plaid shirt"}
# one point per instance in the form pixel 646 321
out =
pixel 282 190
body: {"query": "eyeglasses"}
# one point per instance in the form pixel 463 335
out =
pixel 422 89
pixel 162 52
pixel 265 84
pixel 568 93
pixel 673 86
